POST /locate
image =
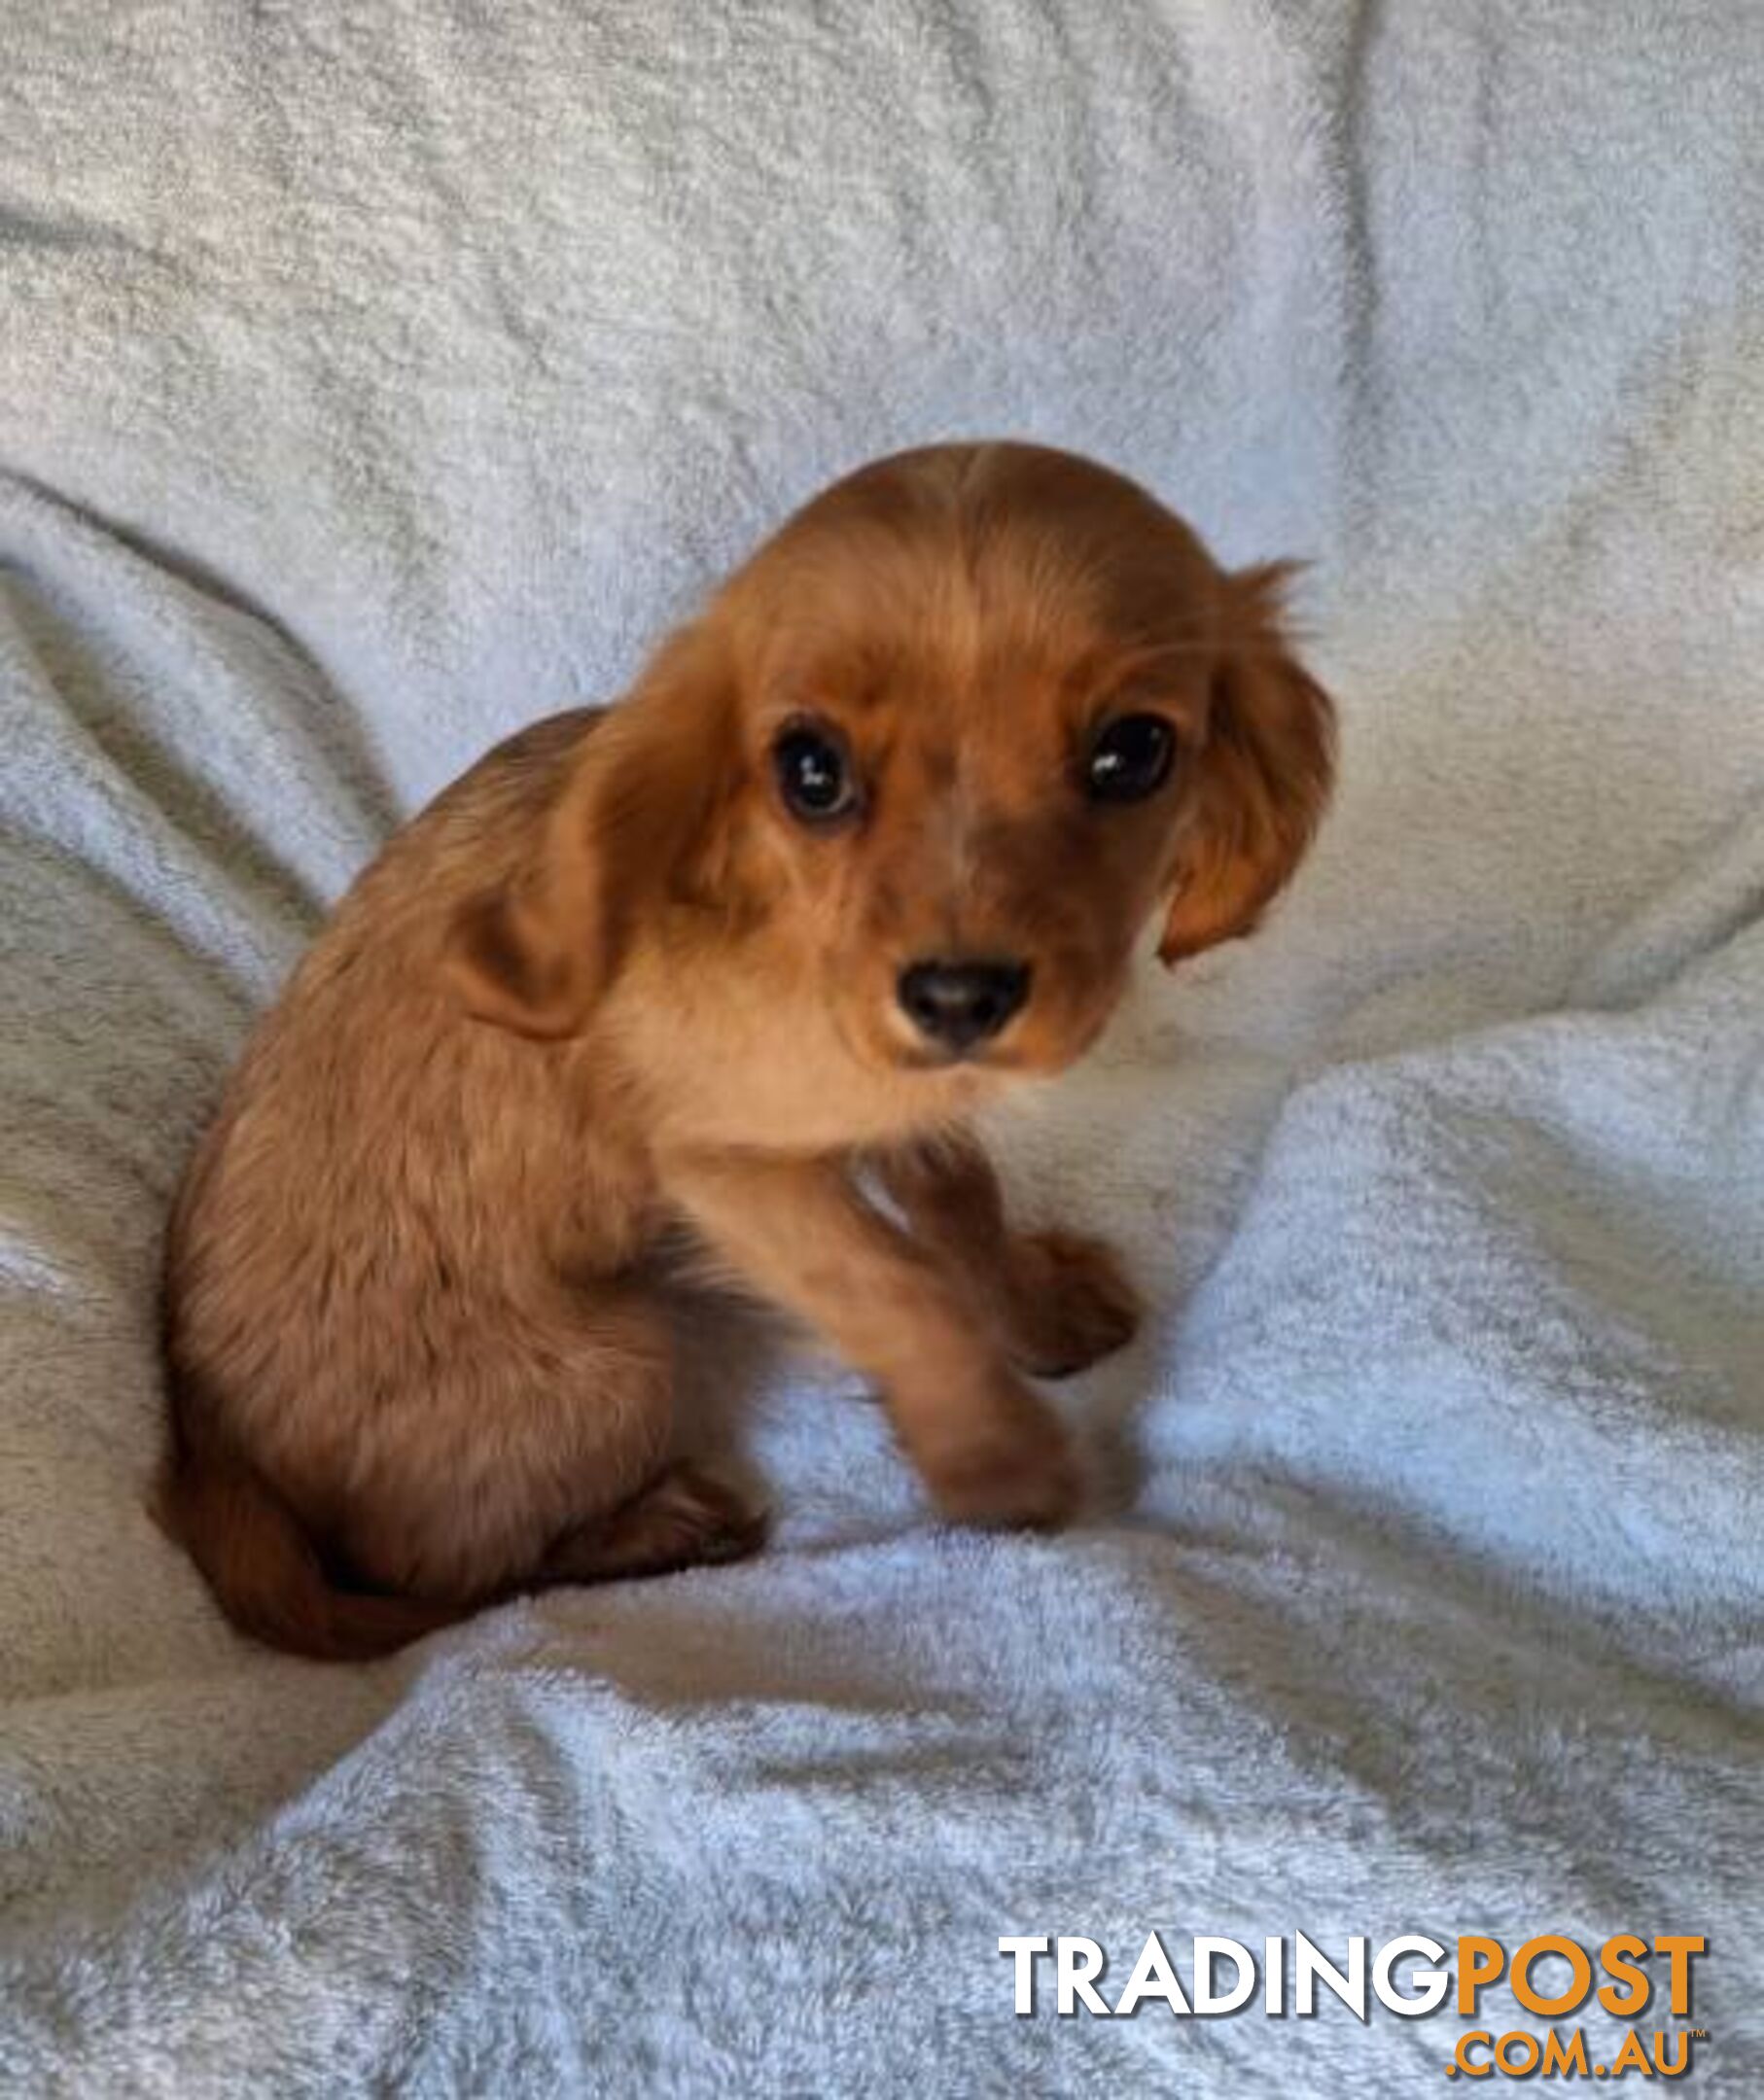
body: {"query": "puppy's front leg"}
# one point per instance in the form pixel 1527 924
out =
pixel 1060 1299
pixel 988 1449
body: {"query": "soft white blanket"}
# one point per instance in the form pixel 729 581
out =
pixel 377 378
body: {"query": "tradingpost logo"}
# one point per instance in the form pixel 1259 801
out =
pixel 1627 1976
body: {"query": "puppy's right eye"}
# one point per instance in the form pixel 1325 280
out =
pixel 814 774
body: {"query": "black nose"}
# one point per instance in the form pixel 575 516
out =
pixel 961 1004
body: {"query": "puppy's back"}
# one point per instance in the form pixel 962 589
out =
pixel 362 1177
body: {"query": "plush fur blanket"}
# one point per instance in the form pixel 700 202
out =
pixel 378 378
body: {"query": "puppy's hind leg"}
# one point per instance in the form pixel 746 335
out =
pixel 684 1518
pixel 535 1454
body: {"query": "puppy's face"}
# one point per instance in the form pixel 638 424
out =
pixel 934 757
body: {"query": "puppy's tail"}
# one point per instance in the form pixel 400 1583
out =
pixel 268 1574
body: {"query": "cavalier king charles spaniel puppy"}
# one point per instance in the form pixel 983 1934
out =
pixel 872 840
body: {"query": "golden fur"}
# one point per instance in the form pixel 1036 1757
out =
pixel 609 986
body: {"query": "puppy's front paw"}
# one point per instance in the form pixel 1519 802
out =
pixel 1072 1304
pixel 1016 1469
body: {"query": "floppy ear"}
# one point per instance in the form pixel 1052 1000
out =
pixel 1264 776
pixel 531 955
pixel 534 955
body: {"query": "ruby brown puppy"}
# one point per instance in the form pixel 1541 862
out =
pixel 872 840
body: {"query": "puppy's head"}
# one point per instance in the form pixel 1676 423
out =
pixel 926 767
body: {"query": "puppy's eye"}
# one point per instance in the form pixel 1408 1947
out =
pixel 1130 758
pixel 814 774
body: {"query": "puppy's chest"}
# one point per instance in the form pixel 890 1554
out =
pixel 792 1103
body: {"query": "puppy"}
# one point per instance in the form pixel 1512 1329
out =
pixel 871 839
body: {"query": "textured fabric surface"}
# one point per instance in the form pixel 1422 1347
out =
pixel 378 378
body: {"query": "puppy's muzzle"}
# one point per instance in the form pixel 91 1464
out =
pixel 956 1005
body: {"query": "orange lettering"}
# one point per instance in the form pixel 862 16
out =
pixel 1572 1954
pixel 1669 2066
pixel 1678 1951
pixel 1617 1958
pixel 1480 1961
pixel 1631 2057
pixel 1461 2055
pixel 1561 2060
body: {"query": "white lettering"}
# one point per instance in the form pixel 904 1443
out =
pixel 1434 1982
pixel 1206 1998
pixel 1152 1978
pixel 1079 1984
pixel 1315 1966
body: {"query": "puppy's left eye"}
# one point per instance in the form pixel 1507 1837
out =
pixel 814 774
pixel 1130 758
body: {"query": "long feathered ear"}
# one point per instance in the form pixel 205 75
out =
pixel 1264 776
pixel 535 954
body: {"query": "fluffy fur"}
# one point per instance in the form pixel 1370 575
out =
pixel 609 986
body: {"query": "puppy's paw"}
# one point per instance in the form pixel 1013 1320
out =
pixel 684 1517
pixel 1072 1304
pixel 711 1520
pixel 1018 1469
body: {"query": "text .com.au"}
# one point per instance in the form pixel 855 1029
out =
pixel 1644 1980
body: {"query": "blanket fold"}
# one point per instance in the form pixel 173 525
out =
pixel 379 380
